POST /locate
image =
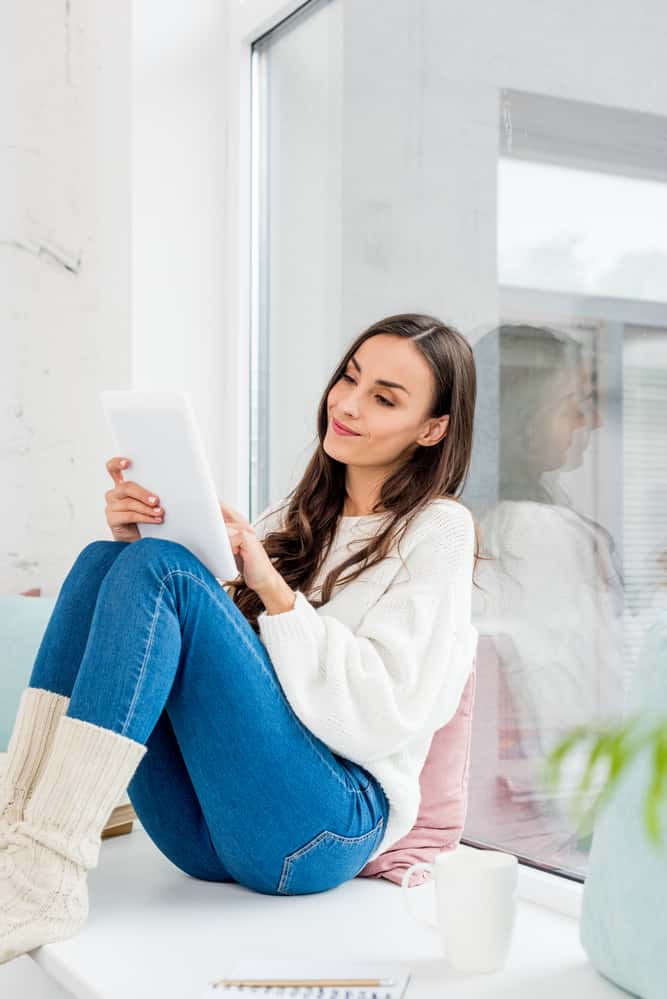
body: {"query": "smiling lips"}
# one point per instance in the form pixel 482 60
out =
pixel 344 431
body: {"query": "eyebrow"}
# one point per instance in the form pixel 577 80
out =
pixel 381 381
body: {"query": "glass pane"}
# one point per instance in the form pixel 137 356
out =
pixel 297 329
pixel 511 181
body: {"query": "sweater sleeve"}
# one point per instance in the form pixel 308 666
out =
pixel 367 694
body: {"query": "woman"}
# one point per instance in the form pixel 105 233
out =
pixel 267 738
pixel 550 597
pixel 554 584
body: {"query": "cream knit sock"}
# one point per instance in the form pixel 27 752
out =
pixel 43 870
pixel 29 745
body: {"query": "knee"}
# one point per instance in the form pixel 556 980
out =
pixel 156 560
pixel 99 551
pixel 157 551
pixel 150 547
pixel 91 564
pixel 101 545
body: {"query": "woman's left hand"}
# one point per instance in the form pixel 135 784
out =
pixel 251 559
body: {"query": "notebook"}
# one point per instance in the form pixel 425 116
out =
pixel 395 978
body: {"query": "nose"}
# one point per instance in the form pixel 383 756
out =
pixel 349 405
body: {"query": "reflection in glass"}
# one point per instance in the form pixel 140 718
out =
pixel 550 603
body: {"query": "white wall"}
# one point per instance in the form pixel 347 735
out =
pixel 178 166
pixel 111 251
pixel 64 260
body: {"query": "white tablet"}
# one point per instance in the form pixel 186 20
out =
pixel 158 432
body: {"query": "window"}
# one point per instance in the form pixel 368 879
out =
pixel 569 473
pixel 297 315
pixel 420 161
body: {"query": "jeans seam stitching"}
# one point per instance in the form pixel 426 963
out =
pixel 163 581
pixel 142 671
pixel 286 875
pixel 239 632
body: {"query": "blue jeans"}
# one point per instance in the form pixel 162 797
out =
pixel 233 787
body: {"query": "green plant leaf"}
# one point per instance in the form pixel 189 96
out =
pixel 554 760
pixel 656 788
pixel 618 746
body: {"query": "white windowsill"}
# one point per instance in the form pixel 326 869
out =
pixel 560 894
pixel 550 890
pixel 154 931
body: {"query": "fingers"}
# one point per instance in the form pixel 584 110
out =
pixel 128 502
pixel 127 505
pixel 132 490
pixel 234 527
pixel 118 517
pixel 235 532
pixel 125 510
pixel 230 515
pixel 114 468
pixel 123 490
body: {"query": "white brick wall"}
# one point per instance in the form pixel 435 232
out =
pixel 64 260
pixel 112 266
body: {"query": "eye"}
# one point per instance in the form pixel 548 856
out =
pixel 382 399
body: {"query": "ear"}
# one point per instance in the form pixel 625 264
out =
pixel 435 431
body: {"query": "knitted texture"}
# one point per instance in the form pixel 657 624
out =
pixel 88 769
pixel 29 745
pixel 43 869
pixel 382 665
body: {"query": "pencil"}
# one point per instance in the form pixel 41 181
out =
pixel 304 982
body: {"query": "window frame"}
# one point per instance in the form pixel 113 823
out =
pixel 249 20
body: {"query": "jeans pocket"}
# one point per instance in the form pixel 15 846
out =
pixel 327 860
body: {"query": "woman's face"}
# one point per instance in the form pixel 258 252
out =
pixel 561 419
pixel 389 420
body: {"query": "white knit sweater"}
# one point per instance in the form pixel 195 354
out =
pixel 382 665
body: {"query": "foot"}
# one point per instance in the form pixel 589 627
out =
pixel 43 895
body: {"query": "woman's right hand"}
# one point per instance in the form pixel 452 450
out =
pixel 129 504
pixel 232 516
pixel 235 522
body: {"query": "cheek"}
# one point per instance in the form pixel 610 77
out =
pixel 333 396
pixel 391 435
pixel 562 430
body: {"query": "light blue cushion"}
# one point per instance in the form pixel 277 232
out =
pixel 623 928
pixel 23 621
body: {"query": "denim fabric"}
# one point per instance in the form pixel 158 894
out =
pixel 233 786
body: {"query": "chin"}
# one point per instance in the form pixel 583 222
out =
pixel 329 450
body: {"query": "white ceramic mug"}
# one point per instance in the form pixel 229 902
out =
pixel 476 905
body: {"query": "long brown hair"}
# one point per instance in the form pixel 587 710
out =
pixel 315 504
